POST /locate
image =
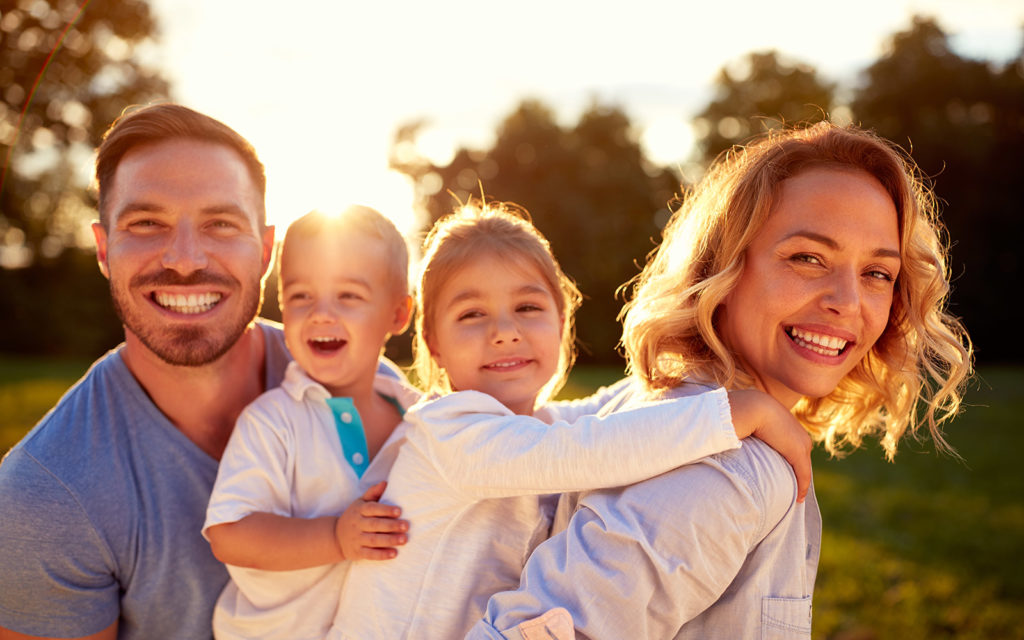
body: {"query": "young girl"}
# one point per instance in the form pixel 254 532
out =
pixel 495 337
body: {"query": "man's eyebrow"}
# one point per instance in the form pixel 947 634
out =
pixel 832 244
pixel 140 206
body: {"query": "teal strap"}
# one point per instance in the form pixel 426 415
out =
pixel 351 434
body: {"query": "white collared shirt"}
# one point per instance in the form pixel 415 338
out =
pixel 284 457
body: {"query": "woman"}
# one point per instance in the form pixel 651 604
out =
pixel 808 265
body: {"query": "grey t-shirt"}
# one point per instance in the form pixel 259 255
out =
pixel 101 507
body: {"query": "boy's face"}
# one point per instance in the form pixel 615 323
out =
pixel 339 306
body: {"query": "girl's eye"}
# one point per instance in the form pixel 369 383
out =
pixel 528 307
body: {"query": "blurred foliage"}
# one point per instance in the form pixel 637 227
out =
pixel 587 187
pixel 765 91
pixel 68 70
pixel 963 120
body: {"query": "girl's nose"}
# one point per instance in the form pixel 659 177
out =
pixel 505 329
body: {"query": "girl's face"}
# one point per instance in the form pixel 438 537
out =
pixel 497 330
pixel 817 285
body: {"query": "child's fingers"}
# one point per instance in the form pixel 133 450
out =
pixel 382 540
pixel 383 525
pixel 375 492
pixel 370 553
pixel 379 510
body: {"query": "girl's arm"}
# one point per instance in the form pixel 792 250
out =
pixel 571 410
pixel 484 450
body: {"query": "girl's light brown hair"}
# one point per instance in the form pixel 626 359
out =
pixel 496 229
pixel 924 354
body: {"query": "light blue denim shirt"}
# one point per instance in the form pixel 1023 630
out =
pixel 716 549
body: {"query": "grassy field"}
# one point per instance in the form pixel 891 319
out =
pixel 927 547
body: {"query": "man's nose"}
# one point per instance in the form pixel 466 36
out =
pixel 184 252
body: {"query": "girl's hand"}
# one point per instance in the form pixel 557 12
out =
pixel 369 530
pixel 755 413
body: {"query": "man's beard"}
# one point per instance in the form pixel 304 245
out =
pixel 187 346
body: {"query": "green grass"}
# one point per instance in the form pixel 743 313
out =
pixel 926 547
pixel 28 388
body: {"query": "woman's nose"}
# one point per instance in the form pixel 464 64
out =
pixel 843 294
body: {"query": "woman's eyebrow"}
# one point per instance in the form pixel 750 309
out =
pixel 832 244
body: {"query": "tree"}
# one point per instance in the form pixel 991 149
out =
pixel 963 120
pixel 67 69
pixel 767 91
pixel 588 188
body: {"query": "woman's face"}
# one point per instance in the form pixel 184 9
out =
pixel 817 284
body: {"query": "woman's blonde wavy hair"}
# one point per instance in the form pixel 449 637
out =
pixel 924 355
pixel 494 229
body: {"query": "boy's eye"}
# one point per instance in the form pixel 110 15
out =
pixel 349 295
pixel 469 315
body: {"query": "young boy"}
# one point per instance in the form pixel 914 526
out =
pixel 297 490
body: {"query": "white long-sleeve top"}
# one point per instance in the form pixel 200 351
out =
pixel 473 480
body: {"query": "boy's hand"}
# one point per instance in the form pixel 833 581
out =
pixel 755 413
pixel 369 530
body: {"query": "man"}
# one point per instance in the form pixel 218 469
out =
pixel 102 503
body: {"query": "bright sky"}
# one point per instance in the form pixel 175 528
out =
pixel 319 86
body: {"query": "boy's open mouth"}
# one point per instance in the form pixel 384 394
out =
pixel 326 346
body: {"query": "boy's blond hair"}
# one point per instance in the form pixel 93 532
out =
pixel 353 219
pixel 498 229
pixel 924 354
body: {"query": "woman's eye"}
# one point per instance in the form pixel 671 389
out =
pixel 881 275
pixel 806 258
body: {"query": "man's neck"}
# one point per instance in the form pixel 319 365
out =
pixel 202 402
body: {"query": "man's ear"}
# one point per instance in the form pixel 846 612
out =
pixel 403 316
pixel 268 248
pixel 100 233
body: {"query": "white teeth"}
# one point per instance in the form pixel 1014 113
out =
pixel 505 365
pixel 818 343
pixel 324 339
pixel 188 304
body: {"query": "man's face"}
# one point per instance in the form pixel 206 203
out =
pixel 185 252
